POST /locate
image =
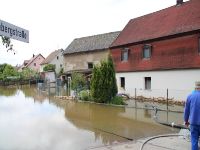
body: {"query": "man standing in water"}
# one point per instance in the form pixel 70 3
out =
pixel 192 115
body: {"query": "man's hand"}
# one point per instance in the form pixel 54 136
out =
pixel 187 123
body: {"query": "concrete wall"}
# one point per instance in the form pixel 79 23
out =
pixel 79 61
pixel 179 82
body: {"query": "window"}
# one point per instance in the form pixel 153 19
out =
pixel 122 82
pixel 57 57
pixel 90 65
pixel 60 65
pixel 124 54
pixel 147 51
pixel 34 64
pixel 147 81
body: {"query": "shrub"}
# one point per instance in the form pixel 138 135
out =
pixel 103 82
pixel 78 82
pixel 117 100
pixel 85 95
pixel 49 67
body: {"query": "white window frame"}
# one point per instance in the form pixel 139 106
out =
pixel 147 47
pixel 124 54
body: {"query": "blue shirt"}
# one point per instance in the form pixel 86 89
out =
pixel 192 108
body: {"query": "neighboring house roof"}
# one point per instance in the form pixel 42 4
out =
pixel 32 59
pixel 51 56
pixel 26 62
pixel 91 43
pixel 167 22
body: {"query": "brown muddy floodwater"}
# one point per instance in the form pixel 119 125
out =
pixel 30 120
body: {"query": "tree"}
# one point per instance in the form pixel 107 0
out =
pixel 28 73
pixel 95 84
pixel 103 82
pixel 112 77
pixel 9 71
pixel 49 67
pixel 78 82
pixel 61 72
pixel 2 67
pixel 6 41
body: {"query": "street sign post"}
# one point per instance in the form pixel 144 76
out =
pixel 14 32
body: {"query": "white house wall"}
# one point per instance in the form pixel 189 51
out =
pixel 58 62
pixel 178 82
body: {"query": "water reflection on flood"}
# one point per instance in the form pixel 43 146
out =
pixel 30 119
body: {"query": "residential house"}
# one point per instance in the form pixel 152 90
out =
pixel 33 63
pixel 83 53
pixel 55 58
pixel 160 51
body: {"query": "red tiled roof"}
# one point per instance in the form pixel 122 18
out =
pixel 170 21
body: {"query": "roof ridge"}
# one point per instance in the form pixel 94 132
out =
pixel 91 43
pixel 97 35
pixel 51 56
pixel 33 58
pixel 166 22
pixel 158 11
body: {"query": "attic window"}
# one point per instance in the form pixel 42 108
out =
pixel 124 54
pixel 147 48
pixel 57 57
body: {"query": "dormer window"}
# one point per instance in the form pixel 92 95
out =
pixel 124 54
pixel 147 48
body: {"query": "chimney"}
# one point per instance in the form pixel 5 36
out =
pixel 179 2
pixel 33 55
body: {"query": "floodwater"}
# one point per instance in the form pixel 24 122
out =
pixel 31 120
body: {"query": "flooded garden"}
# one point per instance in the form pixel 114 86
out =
pixel 32 119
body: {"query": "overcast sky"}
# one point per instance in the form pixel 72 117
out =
pixel 53 24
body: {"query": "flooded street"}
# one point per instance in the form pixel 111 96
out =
pixel 30 120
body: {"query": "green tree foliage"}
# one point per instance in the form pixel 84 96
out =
pixel 112 77
pixel 2 67
pixel 28 73
pixel 49 67
pixel 8 72
pixel 61 72
pixel 6 41
pixel 103 82
pixel 78 81
pixel 94 84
